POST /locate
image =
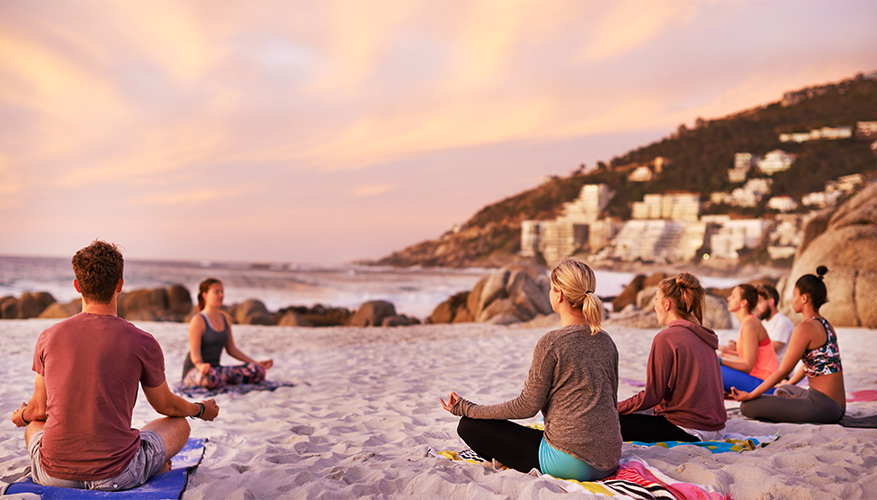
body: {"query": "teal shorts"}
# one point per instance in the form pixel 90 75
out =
pixel 562 465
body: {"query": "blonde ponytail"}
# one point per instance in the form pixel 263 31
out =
pixel 576 280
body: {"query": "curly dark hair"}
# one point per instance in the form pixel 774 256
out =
pixel 98 269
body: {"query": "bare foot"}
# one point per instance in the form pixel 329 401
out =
pixel 166 467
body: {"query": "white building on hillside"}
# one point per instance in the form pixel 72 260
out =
pixel 751 193
pixel 734 235
pixel 775 161
pixel 592 199
pixel 742 164
pixel 577 229
pixel 782 203
pixel 832 133
pixel 679 205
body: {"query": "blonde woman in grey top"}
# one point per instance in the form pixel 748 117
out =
pixel 573 380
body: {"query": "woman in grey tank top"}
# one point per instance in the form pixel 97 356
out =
pixel 209 334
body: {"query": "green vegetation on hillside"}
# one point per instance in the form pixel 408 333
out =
pixel 697 160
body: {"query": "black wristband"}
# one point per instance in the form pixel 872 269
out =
pixel 26 421
pixel 200 412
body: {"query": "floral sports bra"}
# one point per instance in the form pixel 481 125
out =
pixel 823 360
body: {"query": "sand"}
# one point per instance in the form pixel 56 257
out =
pixel 366 408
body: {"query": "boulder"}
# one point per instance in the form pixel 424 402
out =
pixel 715 313
pixel 628 295
pixel 654 280
pixel 179 300
pixel 153 300
pixel 502 306
pixel 528 295
pixel 44 298
pixel 252 312
pixel 61 311
pixel 475 297
pixel 494 288
pixel 291 318
pixel 634 318
pixel 448 310
pixel 442 313
pixel 645 298
pixel 395 321
pixel 504 319
pixel 463 315
pixel 28 307
pixel 7 307
pixel 372 313
pixel 846 248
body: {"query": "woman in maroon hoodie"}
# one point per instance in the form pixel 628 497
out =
pixel 683 379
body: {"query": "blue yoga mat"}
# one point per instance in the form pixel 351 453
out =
pixel 167 486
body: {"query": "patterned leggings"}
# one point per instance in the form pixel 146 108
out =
pixel 250 373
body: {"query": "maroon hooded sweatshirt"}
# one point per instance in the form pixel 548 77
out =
pixel 683 380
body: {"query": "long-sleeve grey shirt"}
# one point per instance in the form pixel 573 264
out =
pixel 573 380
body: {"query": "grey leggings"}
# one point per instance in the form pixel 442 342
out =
pixel 794 404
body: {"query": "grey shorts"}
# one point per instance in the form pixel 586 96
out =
pixel 145 464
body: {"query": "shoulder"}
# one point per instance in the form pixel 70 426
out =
pixel 197 320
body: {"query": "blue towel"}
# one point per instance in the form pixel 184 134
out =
pixel 167 486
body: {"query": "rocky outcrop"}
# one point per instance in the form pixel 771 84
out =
pixel 628 295
pixel 58 310
pixel 372 313
pixel 453 310
pixel 251 312
pixel 29 305
pixel 846 247
pixel 508 295
pixel 158 304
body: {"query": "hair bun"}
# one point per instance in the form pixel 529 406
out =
pixel 687 280
pixel 820 271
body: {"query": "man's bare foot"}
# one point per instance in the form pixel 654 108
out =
pixel 166 467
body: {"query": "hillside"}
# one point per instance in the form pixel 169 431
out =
pixel 697 160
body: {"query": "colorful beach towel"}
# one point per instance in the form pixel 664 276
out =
pixel 634 479
pixel 862 396
pixel 731 442
pixel 167 486
pixel 201 392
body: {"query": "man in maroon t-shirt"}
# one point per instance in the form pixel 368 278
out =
pixel 88 369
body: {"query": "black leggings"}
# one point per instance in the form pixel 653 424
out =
pixel 513 445
pixel 651 429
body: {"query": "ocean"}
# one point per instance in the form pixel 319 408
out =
pixel 414 291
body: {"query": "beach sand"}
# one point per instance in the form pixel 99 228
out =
pixel 366 407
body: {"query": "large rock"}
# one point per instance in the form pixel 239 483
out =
pixel 291 318
pixel 645 298
pixel 252 312
pixel 372 313
pixel 179 300
pixel 28 307
pixel 143 304
pixel 474 300
pixel 528 295
pixel 628 295
pixel 449 310
pixel 7 307
pixel 494 288
pixel 654 280
pixel 501 307
pixel 846 247
pixel 58 310
pixel 715 313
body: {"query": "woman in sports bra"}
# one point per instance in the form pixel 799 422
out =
pixel 814 342
pixel 209 334
pixel 753 358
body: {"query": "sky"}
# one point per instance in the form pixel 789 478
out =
pixel 332 131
